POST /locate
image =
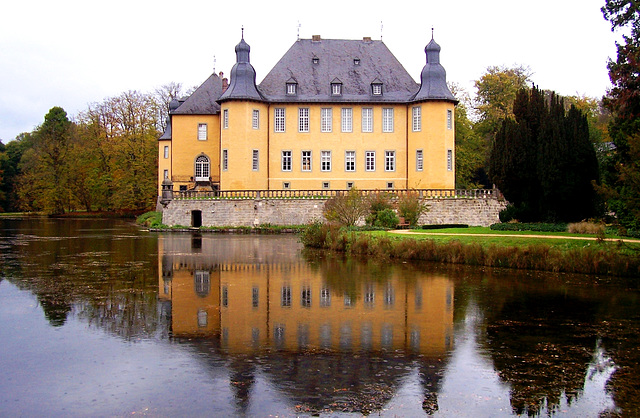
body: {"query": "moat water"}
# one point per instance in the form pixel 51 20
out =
pixel 99 318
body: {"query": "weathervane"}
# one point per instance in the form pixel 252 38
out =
pixel 242 28
pixel 299 30
pixel 381 30
pixel 431 32
pixel 214 63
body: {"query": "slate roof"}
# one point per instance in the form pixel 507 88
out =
pixel 242 84
pixel 336 60
pixel 203 101
pixel 433 79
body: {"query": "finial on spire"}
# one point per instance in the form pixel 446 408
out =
pixel 214 63
pixel 299 30
pixel 242 28
pixel 431 32
pixel 381 26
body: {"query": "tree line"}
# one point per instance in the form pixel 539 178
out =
pixel 103 159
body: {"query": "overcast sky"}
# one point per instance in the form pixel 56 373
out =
pixel 72 53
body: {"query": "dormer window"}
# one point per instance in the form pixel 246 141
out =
pixel 356 61
pixel 376 89
pixel 292 89
pixel 315 60
pixel 336 87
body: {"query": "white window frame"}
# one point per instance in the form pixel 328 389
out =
pixel 255 119
pixel 287 160
pixel 347 119
pixel 326 119
pixel 417 118
pixel 166 174
pixel 449 119
pixel 326 185
pixel 286 185
pixel 225 159
pixel 303 119
pixel 202 132
pixel 325 160
pixel 292 89
pixel 336 89
pixel 419 160
pixel 350 161
pixel 449 160
pixel 389 161
pixel 367 119
pixel 376 89
pixel 225 119
pixel 306 160
pixel 369 161
pixel 279 121
pixel 387 119
pixel 255 160
pixel 166 151
pixel 202 168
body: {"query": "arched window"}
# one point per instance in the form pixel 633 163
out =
pixel 202 168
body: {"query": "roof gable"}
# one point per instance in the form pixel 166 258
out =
pixel 203 100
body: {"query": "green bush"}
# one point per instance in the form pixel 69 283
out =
pixel 444 226
pixel 150 219
pixel 387 218
pixel 346 208
pixel 410 207
pixel 534 227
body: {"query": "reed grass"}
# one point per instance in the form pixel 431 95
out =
pixel 605 260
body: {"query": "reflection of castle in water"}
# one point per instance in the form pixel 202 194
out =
pixel 254 296
pixel 329 334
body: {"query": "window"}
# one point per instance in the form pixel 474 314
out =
pixel 349 185
pixel 224 297
pixel 286 185
pixel 315 60
pixel 347 119
pixel 255 297
pixel 285 299
pixel 389 161
pixel 376 89
pixel 166 151
pixel 387 119
pixel 325 160
pixel 292 88
pixel 419 160
pixel 367 119
pixel 306 160
pixel 166 174
pixel 325 297
pixel 279 119
pixel 356 61
pixel 303 119
pixel 255 120
pixel 370 161
pixel 449 119
pixel 326 120
pixel 449 160
pixel 390 185
pixel 202 168
pixel 336 89
pixel 202 131
pixel 225 118
pixel 417 119
pixel 305 297
pixel 225 159
pixel 349 161
pixel 286 160
pixel 255 160
pixel 325 185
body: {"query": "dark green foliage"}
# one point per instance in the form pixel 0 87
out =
pixel 410 207
pixel 534 227
pixel 444 226
pixel 543 161
pixel 386 218
pixel 622 178
pixel 150 219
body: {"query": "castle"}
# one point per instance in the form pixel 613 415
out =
pixel 331 115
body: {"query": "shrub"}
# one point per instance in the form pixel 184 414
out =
pixel 378 203
pixel 346 208
pixel 586 228
pixel 444 226
pixel 535 227
pixel 411 206
pixel 150 219
pixel 386 218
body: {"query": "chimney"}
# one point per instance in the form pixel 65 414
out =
pixel 225 84
pixel 367 39
pixel 315 38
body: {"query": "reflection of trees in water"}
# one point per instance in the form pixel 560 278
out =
pixel 541 344
pixel 73 266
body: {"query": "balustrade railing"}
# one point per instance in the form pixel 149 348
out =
pixel 323 194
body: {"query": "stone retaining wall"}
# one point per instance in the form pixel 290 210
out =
pixel 250 212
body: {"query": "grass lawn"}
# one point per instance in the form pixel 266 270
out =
pixel 516 238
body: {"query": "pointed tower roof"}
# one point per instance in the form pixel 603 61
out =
pixel 242 85
pixel 433 79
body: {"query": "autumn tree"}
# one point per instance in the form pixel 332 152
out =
pixel 44 179
pixel 623 100
pixel 470 150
